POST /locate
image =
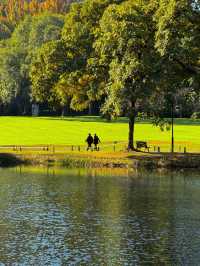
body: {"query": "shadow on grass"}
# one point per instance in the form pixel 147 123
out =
pixel 96 119
pixel 187 122
pixel 122 120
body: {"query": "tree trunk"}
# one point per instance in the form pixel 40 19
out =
pixel 90 109
pixel 1 109
pixel 131 132
pixel 64 109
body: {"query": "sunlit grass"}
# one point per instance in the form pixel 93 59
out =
pixel 74 130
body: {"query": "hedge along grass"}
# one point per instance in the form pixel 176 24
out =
pixel 74 130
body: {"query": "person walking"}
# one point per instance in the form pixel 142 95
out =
pixel 96 142
pixel 89 141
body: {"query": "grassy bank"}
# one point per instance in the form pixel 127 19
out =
pixel 134 160
pixel 73 131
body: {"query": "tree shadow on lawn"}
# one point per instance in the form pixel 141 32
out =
pixel 96 119
pixel 120 120
pixel 87 119
pixel 187 122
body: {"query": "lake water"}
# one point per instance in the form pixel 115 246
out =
pixel 98 217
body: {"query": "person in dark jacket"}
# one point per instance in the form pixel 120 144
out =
pixel 89 141
pixel 96 142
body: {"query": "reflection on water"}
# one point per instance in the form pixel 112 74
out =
pixel 74 217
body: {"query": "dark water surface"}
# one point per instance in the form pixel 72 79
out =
pixel 75 217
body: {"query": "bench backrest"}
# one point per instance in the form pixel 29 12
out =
pixel 141 144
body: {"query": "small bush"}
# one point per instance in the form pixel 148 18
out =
pixel 195 115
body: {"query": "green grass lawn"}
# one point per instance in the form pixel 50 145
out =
pixel 74 130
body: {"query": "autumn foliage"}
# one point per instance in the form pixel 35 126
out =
pixel 14 10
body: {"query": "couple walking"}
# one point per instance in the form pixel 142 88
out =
pixel 93 140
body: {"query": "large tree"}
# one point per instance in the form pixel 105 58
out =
pixel 77 85
pixel 126 50
pixel 79 33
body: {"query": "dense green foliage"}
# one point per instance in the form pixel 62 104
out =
pixel 177 39
pixel 123 57
pixel 49 64
pixel 17 54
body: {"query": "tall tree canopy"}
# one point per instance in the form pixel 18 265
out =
pixel 178 38
pixel 78 36
pixel 126 50
pixel 79 33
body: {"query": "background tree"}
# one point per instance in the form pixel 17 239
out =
pixel 26 39
pixel 11 80
pixel 50 62
pixel 177 40
pixel 5 29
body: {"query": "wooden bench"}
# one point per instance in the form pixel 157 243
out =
pixel 142 144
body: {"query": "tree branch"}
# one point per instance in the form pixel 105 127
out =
pixel 188 68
